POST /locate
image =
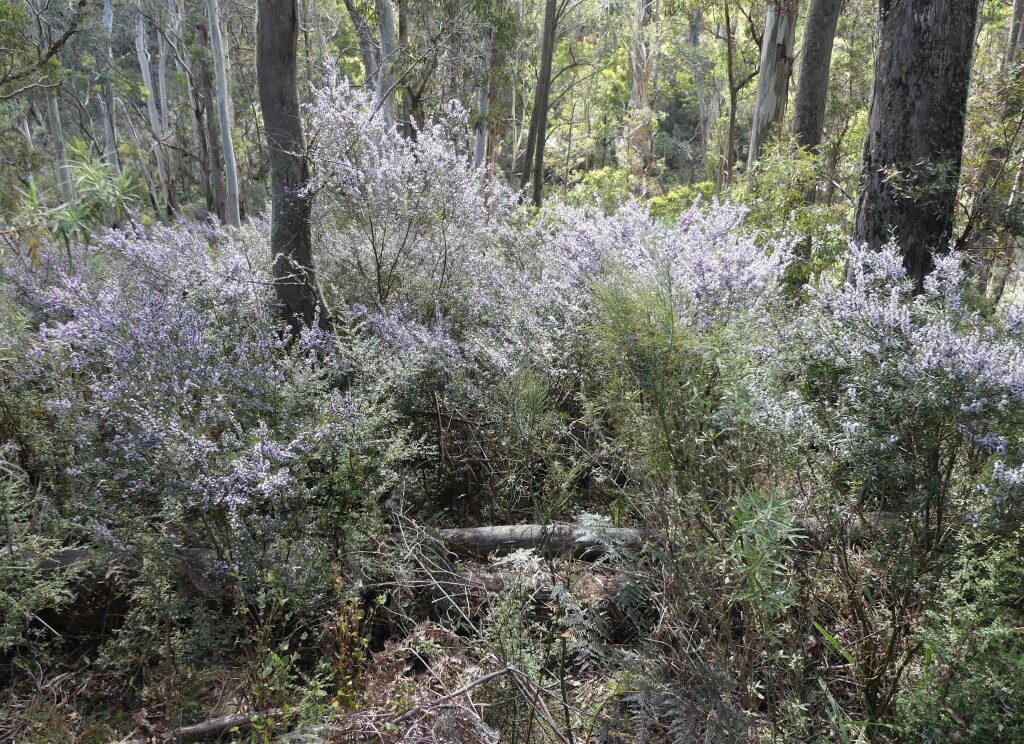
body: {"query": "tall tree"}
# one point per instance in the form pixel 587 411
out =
pixel 220 199
pixel 220 72
pixel 1014 43
pixel 367 47
pixel 709 102
pixel 533 162
pixel 107 91
pixel 483 101
pixel 183 64
pixel 57 134
pixel 388 50
pixel 641 63
pixel 42 36
pixel 142 52
pixel 916 128
pixel 277 38
pixel 987 232
pixel 815 61
pixel 773 78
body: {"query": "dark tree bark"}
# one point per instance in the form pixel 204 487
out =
pixel 916 128
pixel 533 162
pixel 367 46
pixel 277 34
pixel 725 178
pixel 812 87
pixel 816 59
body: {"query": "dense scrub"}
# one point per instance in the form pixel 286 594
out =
pixel 831 474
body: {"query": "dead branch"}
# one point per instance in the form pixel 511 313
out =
pixel 209 729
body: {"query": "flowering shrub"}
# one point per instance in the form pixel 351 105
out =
pixel 902 412
pixel 493 363
pixel 402 223
pixel 917 400
pixel 181 418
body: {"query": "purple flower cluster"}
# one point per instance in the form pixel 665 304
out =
pixel 174 397
pixel 896 383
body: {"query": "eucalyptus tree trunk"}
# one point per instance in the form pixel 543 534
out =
pixel 163 52
pixel 483 102
pixel 107 93
pixel 993 251
pixel 816 60
pixel 388 48
pixel 26 132
pixel 494 100
pixel 709 102
pixel 144 167
pixel 290 230
pixel 367 47
pixel 408 119
pixel 64 187
pixel 220 71
pixel 916 128
pixel 212 134
pixel 1014 42
pixel 641 58
pixel 40 34
pixel 161 76
pixel 142 52
pixel 773 78
pixel 725 178
pixel 533 163
pixel 183 64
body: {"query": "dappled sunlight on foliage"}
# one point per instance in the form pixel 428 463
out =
pixel 792 485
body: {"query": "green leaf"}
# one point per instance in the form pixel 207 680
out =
pixel 836 645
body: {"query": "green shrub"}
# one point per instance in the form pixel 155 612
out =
pixel 969 688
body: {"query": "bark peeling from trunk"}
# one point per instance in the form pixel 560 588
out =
pixel 773 77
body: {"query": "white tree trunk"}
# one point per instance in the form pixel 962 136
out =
pixel 39 34
pixel 60 151
pixel 483 102
pixel 220 71
pixel 144 167
pixel 183 64
pixel 773 78
pixel 388 47
pixel 161 80
pixel 142 51
pixel 26 131
pixel 107 93
pixel 641 58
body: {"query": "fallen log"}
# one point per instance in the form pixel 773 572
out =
pixel 100 583
pixel 210 729
pixel 551 540
pixel 560 539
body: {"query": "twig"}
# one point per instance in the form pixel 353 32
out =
pixel 444 699
pixel 521 681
